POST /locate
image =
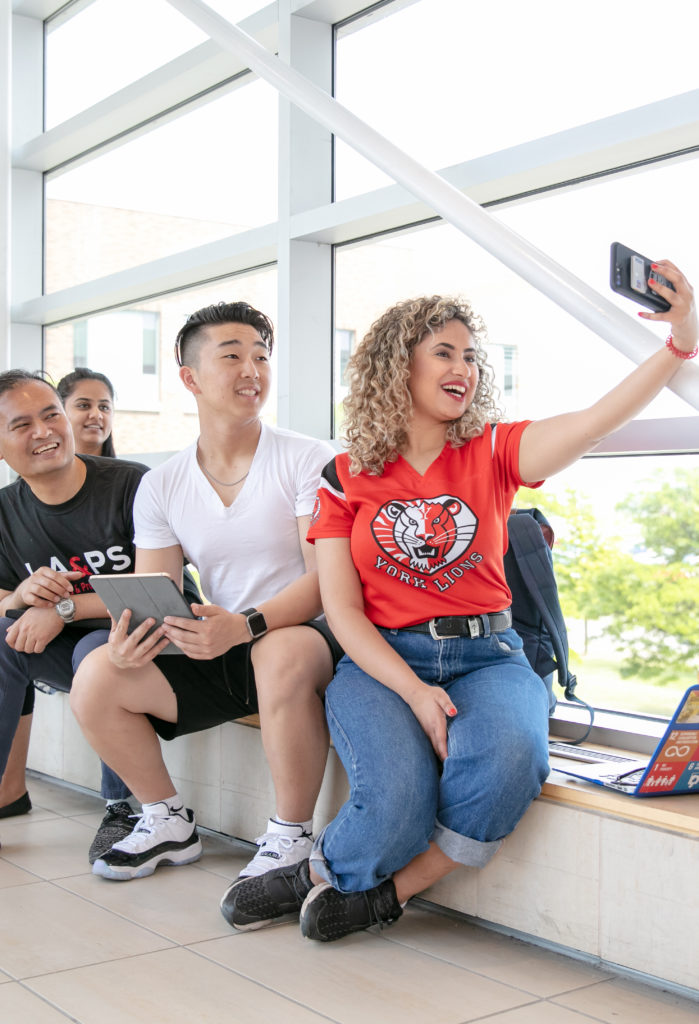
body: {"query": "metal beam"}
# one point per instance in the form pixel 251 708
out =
pixel 217 259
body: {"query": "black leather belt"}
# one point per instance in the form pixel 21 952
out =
pixel 449 626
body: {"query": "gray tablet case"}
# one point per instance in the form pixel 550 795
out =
pixel 147 595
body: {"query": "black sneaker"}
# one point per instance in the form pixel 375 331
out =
pixel 327 914
pixel 276 895
pixel 117 824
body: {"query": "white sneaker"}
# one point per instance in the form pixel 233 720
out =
pixel 280 847
pixel 170 839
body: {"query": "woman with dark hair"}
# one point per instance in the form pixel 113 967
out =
pixel 88 398
pixel 439 720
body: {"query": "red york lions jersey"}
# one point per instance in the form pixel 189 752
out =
pixel 427 545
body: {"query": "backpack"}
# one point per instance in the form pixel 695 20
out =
pixel 536 610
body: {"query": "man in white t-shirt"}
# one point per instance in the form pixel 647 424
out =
pixel 236 504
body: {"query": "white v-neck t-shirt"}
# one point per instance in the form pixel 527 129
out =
pixel 248 552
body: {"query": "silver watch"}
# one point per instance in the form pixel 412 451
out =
pixel 65 609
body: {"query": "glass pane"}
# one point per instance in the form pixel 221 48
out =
pixel 628 576
pixel 448 81
pixel 81 70
pixel 184 183
pixel 549 359
pixel 154 412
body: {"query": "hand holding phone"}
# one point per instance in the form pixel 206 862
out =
pixel 629 273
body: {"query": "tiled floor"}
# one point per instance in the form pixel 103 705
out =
pixel 74 947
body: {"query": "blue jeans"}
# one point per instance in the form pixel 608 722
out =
pixel 56 666
pixel 401 796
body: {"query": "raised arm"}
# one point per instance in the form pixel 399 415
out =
pixel 341 591
pixel 549 445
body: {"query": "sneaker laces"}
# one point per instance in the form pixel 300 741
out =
pixel 147 824
pixel 275 843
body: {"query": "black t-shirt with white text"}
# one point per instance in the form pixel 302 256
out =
pixel 90 533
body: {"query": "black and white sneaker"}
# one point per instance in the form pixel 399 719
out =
pixel 327 914
pixel 168 839
pixel 117 824
pixel 281 846
pixel 272 897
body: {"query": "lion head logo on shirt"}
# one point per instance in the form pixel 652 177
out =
pixel 427 534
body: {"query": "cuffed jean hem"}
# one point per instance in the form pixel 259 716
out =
pixel 319 864
pixel 471 852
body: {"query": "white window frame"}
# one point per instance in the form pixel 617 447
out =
pixel 309 223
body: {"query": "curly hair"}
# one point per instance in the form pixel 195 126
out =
pixel 378 406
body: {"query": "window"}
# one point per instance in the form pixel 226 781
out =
pixel 468 79
pixel 344 344
pixel 145 223
pixel 125 343
pixel 81 70
pixel 182 184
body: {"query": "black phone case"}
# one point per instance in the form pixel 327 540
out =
pixel 620 278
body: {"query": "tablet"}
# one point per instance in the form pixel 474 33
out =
pixel 147 595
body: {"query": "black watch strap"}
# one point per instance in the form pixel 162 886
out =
pixel 257 625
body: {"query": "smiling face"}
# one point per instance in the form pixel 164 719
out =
pixel 90 409
pixel 232 375
pixel 443 375
pixel 36 438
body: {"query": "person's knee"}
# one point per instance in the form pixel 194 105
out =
pixel 293 667
pixel 90 692
pixel 527 750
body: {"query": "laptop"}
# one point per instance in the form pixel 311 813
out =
pixel 673 768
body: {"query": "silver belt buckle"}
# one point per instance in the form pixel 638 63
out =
pixel 473 627
pixel 440 636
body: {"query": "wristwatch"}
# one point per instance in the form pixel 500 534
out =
pixel 257 626
pixel 65 609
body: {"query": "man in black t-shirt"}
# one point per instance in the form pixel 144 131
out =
pixel 65 517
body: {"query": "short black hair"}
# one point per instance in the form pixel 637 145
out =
pixel 11 379
pixel 220 313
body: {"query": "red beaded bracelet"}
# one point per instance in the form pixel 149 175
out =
pixel 678 351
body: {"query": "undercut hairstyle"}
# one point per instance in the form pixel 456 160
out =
pixel 378 406
pixel 11 379
pixel 190 336
pixel 67 385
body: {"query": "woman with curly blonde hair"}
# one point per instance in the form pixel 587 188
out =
pixel 439 720
pixel 378 407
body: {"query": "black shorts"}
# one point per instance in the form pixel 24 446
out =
pixel 220 690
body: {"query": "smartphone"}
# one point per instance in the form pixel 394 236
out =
pixel 628 275
pixel 147 595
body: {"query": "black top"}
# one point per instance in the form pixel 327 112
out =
pixel 91 533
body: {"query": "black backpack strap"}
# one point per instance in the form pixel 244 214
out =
pixel 535 563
